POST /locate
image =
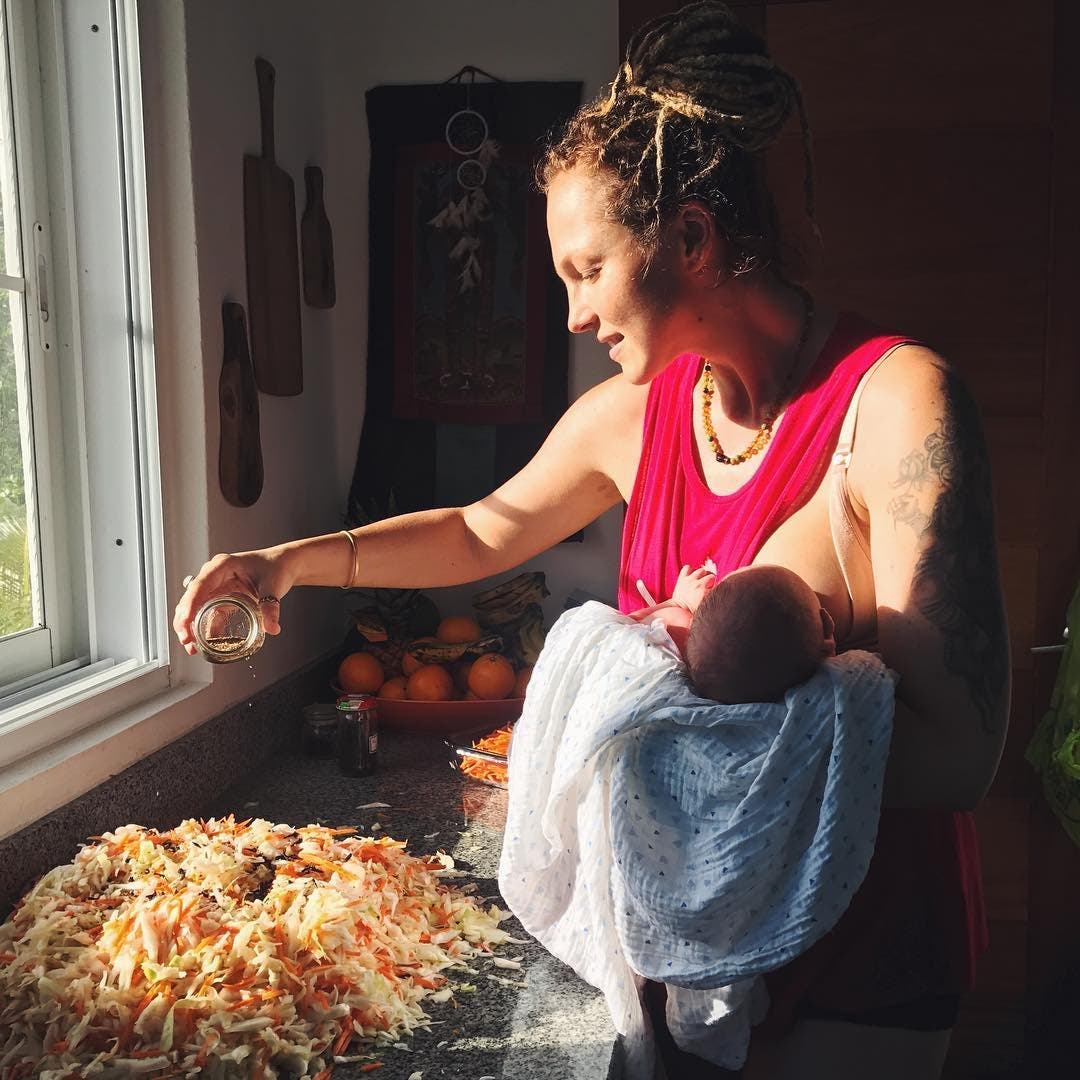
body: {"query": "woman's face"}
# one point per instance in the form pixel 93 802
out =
pixel 613 291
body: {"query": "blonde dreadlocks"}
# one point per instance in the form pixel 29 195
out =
pixel 695 101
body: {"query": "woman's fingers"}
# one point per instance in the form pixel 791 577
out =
pixel 270 606
pixel 198 589
pixel 252 574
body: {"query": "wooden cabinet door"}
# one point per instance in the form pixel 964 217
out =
pixel 947 173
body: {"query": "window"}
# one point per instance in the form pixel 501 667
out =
pixel 26 640
pixel 81 592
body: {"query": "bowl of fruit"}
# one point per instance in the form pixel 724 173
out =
pixel 466 671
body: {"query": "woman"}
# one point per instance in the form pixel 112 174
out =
pixel 719 431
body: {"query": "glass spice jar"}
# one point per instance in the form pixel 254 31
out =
pixel 229 628
pixel 320 729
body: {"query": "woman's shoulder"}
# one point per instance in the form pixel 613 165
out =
pixel 911 376
pixel 916 398
pixel 615 401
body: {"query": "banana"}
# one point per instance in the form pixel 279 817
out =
pixel 505 616
pixel 530 636
pixel 370 624
pixel 529 584
pixel 446 652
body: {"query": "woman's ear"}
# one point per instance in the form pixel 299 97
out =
pixel 699 245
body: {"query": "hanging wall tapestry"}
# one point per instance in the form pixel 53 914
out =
pixel 467 339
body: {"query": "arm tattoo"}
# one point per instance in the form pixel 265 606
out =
pixel 956 585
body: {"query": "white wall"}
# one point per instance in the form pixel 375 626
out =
pixel 327 54
pixel 201 116
pixel 430 40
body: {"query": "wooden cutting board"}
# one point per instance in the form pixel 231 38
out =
pixel 273 270
pixel 240 464
pixel 316 244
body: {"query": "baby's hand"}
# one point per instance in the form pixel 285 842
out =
pixel 694 585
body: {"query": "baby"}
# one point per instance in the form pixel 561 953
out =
pixel 749 636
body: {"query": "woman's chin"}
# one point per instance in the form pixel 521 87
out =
pixel 633 371
pixel 637 375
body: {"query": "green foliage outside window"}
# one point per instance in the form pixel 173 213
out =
pixel 15 599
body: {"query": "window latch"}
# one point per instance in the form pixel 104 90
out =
pixel 41 272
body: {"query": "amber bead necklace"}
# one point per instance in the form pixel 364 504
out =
pixel 764 432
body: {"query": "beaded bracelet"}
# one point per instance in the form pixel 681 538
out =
pixel 355 558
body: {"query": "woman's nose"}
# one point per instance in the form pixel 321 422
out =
pixel 580 319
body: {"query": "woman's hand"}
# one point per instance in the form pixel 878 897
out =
pixel 263 575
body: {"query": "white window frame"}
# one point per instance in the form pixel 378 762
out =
pixel 99 258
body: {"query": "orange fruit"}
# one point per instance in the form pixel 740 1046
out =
pixel 409 663
pixel 432 682
pixel 492 677
pixel 458 628
pixel 394 688
pixel 360 673
pixel 522 681
pixel 460 670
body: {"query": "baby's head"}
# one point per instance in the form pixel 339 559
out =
pixel 759 631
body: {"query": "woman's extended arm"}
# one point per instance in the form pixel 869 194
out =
pixel 921 469
pixel 569 483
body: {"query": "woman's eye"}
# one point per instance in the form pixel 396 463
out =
pixel 590 274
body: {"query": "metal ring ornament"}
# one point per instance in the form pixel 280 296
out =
pixel 471 174
pixel 465 150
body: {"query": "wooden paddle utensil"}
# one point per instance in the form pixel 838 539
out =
pixel 273 271
pixel 316 244
pixel 240 464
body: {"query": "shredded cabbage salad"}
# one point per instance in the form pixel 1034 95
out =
pixel 229 948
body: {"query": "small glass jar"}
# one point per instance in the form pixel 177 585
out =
pixel 320 730
pixel 229 628
pixel 357 734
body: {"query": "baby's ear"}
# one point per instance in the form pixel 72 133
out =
pixel 828 632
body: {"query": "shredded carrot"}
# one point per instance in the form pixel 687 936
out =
pixel 327 865
pixel 189 927
pixel 213 1037
pixel 344 1037
pixel 496 742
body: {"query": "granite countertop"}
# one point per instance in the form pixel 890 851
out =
pixel 558 1027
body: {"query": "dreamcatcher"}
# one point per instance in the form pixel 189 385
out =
pixel 468 137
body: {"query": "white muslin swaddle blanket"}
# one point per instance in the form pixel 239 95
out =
pixel 653 834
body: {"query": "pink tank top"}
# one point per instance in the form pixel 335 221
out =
pixel 673 519
pixel 917 924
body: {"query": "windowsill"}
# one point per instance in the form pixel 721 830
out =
pixel 37 784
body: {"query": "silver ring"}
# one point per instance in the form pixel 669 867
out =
pixel 188 580
pixel 269 600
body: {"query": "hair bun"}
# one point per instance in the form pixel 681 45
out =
pixel 702 55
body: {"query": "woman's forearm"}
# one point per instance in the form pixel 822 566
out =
pixel 427 549
pixel 935 763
